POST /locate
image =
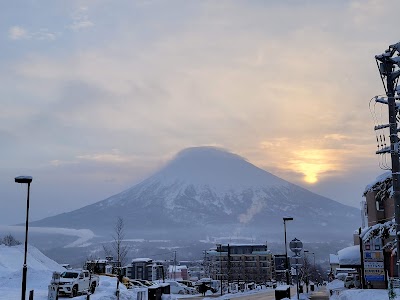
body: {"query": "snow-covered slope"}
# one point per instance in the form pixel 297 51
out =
pixel 40 267
pixel 207 188
pixel 40 270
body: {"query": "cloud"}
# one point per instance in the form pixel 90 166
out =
pixel 20 33
pixel 114 157
pixel 292 97
pixel 17 33
pixel 80 20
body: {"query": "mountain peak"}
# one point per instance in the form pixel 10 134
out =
pixel 206 152
pixel 215 166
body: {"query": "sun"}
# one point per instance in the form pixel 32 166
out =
pixel 311 178
pixel 310 171
pixel 312 163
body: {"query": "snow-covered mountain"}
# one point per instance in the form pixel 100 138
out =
pixel 208 191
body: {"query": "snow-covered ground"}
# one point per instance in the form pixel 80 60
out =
pixel 339 292
pixel 83 236
pixel 41 268
pixel 40 271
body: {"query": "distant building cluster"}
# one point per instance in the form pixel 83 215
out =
pixel 233 263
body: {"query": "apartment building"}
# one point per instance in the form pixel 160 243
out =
pixel 244 262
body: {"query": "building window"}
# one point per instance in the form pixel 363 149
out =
pixel 379 205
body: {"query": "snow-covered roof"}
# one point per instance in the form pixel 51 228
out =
pixel 333 259
pixel 173 268
pixel 141 260
pixel 350 256
pixel 373 186
pixel 378 230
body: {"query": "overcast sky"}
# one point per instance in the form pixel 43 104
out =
pixel 96 95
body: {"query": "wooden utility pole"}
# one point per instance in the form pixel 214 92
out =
pixel 388 70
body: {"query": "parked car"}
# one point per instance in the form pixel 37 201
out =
pixel 187 283
pixel 271 284
pixel 213 285
pixel 190 290
pixel 178 288
pixel 190 287
pixel 136 284
pixel 74 282
pixel 145 282
pixel 341 276
pixel 352 281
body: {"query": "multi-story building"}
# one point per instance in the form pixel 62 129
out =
pixel 178 272
pixel 241 263
pixel 377 210
pixel 195 269
pixel 144 268
pixel 106 266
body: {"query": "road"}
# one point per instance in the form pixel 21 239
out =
pixel 322 294
pixel 270 295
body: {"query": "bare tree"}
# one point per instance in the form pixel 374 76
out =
pixel 119 248
pixel 9 240
pixel 107 251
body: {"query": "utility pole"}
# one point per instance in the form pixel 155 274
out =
pixel 206 269
pixel 174 264
pixel 285 219
pixel 387 69
pixel 219 247
pixel 229 266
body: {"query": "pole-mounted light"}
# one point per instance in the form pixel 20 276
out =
pixel 285 219
pixel 27 180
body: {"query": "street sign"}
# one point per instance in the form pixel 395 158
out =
pixel 296 261
pixel 296 246
pixel 373 260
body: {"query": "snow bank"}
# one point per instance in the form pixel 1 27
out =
pixel 12 259
pixel 335 284
pixel 40 271
pixel 355 294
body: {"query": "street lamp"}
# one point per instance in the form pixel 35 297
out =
pixel 286 257
pixel 306 262
pixel 28 180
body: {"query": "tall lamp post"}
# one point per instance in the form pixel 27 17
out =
pixel 286 257
pixel 309 273
pixel 28 180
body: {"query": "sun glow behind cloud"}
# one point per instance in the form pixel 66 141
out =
pixel 325 157
pixel 312 163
